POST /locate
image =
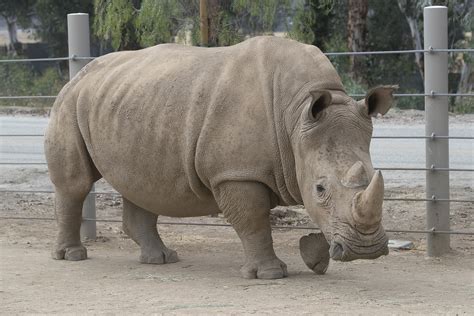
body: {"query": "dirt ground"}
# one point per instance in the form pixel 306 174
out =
pixel 207 280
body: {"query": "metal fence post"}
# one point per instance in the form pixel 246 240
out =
pixel 436 116
pixel 79 45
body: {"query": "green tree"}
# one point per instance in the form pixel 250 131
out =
pixel 304 23
pixel 158 21
pixel 128 24
pixel 115 21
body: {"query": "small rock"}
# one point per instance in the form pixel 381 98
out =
pixel 400 244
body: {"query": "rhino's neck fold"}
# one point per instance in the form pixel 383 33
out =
pixel 286 121
pixel 289 83
pixel 285 116
pixel 285 175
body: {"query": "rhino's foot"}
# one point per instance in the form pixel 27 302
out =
pixel 272 269
pixel 73 253
pixel 314 250
pixel 158 256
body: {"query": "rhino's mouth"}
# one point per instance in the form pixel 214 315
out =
pixel 344 249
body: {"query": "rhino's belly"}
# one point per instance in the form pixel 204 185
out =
pixel 151 169
pixel 167 197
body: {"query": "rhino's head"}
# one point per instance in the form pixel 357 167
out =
pixel 339 186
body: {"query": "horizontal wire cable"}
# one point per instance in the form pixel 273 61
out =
pixel 428 200
pixel 48 59
pixel 431 231
pixel 21 135
pixel 433 94
pixel 383 52
pixel 118 194
pixel 7 163
pixel 408 51
pixel 23 60
pixel 376 136
pixel 23 163
pixel 51 191
pixel 377 168
pixel 423 169
pixel 351 95
pixel 15 97
pixel 415 137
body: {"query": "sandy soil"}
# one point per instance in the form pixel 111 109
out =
pixel 207 281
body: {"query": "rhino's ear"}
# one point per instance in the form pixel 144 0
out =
pixel 320 100
pixel 378 100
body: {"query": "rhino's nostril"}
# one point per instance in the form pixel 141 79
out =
pixel 336 251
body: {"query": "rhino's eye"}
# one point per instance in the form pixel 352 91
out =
pixel 320 189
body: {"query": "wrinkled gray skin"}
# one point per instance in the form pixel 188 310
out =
pixel 185 131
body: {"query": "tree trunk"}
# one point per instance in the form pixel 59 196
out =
pixel 466 81
pixel 409 11
pixel 416 36
pixel 203 15
pixel 356 34
pixel 12 35
pixel 213 18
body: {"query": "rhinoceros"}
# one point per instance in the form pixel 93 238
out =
pixel 190 131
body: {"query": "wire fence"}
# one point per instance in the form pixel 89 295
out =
pixel 376 168
pixel 384 52
pixel 387 52
pixel 21 97
pixel 433 168
pixel 427 231
pixel 432 199
pixel 373 137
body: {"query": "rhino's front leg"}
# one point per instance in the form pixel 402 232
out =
pixel 246 205
pixel 140 225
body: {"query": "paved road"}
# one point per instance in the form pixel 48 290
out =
pixel 385 152
pixel 22 149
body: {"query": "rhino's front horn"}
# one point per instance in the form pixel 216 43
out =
pixel 367 204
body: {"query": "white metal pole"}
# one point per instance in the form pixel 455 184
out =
pixel 79 45
pixel 436 116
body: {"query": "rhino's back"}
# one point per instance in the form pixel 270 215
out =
pixel 165 125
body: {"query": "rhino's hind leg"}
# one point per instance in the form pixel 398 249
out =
pixel 70 194
pixel 72 172
pixel 246 206
pixel 140 225
pixel 68 212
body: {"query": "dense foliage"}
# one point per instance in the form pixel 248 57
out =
pixel 332 25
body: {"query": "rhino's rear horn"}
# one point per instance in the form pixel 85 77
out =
pixel 367 204
pixel 356 176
